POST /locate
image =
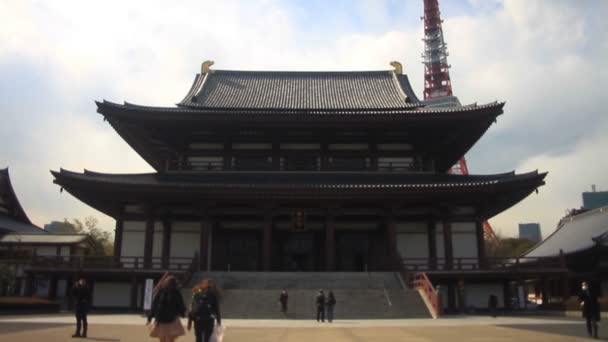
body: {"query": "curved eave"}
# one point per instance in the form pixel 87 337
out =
pixel 108 192
pixel 18 212
pixel 141 114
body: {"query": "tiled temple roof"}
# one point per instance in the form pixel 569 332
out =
pixel 282 90
pixel 12 216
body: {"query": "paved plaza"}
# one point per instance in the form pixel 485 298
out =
pixel 465 328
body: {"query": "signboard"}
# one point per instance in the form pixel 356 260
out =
pixel 148 294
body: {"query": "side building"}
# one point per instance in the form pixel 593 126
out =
pixel 23 244
pixel 302 171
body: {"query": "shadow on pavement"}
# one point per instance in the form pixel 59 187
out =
pixel 574 330
pixel 11 327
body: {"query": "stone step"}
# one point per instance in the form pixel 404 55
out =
pixel 351 304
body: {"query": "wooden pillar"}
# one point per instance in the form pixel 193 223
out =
pixel 451 296
pixel 447 244
pixel 506 294
pixel 544 288
pixel 330 246
pixel 481 244
pixel 276 156
pixel 227 155
pixel 133 304
pixel 324 156
pixel 392 243
pixel 118 237
pixel 373 150
pixel 267 243
pixel 53 287
pixel 204 243
pixel 432 240
pixel 166 250
pixel 148 239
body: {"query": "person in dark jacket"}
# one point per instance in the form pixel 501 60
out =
pixel 591 309
pixel 82 294
pixel 167 306
pixel 283 300
pixel 320 301
pixel 493 304
pixel 331 303
pixel 204 310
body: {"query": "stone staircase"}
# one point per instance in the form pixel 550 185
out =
pixel 375 295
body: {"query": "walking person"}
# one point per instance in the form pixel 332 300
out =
pixel 331 303
pixel 320 301
pixel 591 309
pixel 82 293
pixel 283 300
pixel 167 307
pixel 204 310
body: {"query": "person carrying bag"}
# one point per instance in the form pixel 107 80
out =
pixel 204 311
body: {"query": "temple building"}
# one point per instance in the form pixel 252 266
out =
pixel 22 242
pixel 301 171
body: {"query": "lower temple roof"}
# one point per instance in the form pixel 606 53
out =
pixel 106 192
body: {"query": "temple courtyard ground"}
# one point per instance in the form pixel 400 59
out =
pixel 124 327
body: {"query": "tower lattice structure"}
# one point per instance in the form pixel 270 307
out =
pixel 437 81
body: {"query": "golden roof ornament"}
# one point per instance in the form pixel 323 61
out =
pixel 398 67
pixel 206 67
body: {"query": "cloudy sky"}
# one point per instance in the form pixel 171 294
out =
pixel 545 58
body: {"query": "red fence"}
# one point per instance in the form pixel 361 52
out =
pixel 421 282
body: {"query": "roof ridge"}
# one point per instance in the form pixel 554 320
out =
pixel 300 72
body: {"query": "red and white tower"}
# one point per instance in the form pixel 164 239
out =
pixel 437 81
pixel 435 57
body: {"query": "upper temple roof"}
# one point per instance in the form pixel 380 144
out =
pixel 300 90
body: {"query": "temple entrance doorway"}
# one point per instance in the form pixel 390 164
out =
pixel 352 251
pixel 298 252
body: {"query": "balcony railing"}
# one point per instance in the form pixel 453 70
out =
pixel 399 167
pixel 514 264
pixel 306 164
pixel 107 263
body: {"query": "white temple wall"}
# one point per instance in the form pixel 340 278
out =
pixel 157 240
pixel 133 238
pixel 439 242
pixel 65 251
pixel 185 239
pixel 478 295
pixel 46 251
pixel 412 241
pixel 464 240
pixel 112 294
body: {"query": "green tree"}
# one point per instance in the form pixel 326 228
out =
pixel 103 241
pixel 507 247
